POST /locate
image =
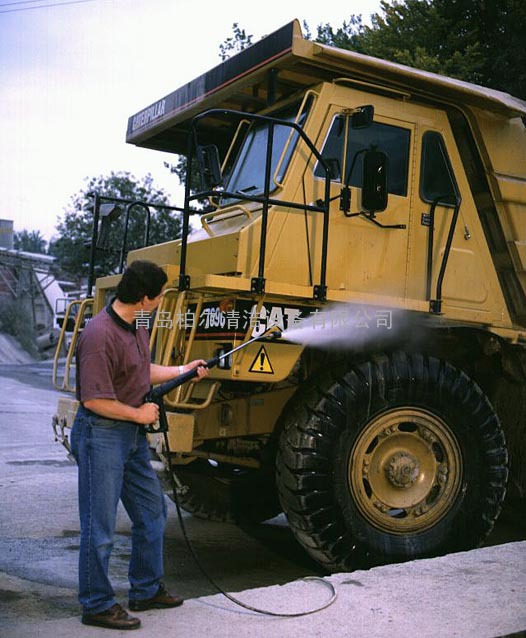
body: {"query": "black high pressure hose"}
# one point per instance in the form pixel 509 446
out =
pixel 236 601
pixel 156 396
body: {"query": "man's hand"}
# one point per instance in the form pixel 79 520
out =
pixel 202 369
pixel 147 413
pixel 160 374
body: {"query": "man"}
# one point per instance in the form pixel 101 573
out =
pixel 114 374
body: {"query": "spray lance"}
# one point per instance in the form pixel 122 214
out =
pixel 156 396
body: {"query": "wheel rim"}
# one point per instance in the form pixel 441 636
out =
pixel 405 470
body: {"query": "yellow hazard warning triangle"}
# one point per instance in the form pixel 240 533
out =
pixel 261 363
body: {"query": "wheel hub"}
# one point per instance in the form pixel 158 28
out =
pixel 403 469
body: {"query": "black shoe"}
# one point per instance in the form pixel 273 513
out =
pixel 162 600
pixel 113 618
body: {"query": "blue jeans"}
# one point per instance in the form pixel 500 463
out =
pixel 114 463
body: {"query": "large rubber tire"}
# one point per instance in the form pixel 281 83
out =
pixel 399 457
pixel 220 492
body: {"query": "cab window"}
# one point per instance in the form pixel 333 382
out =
pixel 438 181
pixel 247 176
pixel 394 141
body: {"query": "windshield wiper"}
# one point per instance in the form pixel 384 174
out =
pixel 247 189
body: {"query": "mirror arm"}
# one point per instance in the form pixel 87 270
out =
pixel 320 202
pixel 371 218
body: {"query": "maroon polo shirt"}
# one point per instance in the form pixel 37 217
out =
pixel 113 360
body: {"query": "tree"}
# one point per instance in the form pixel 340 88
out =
pixel 238 42
pixel 72 247
pixel 345 37
pixel 30 241
pixel 480 41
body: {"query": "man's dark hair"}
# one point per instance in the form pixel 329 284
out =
pixel 139 279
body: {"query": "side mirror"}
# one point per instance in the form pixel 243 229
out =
pixel 108 214
pixel 362 117
pixel 209 166
pixel 111 212
pixel 374 190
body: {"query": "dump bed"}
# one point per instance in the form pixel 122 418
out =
pixel 284 64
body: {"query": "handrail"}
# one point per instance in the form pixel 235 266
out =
pixel 163 305
pixel 130 203
pixel 207 217
pixel 182 394
pixel 285 147
pixel 258 283
pixel 435 305
pixel 124 244
pixel 186 405
pixel 60 342
pixel 240 125
pixel 84 303
pixel 176 333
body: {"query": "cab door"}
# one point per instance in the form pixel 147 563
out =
pixel 450 264
pixel 367 253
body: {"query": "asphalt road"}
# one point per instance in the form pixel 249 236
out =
pixel 39 530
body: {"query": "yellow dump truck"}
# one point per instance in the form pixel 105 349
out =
pixel 340 191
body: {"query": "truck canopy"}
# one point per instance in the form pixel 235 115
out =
pixel 282 65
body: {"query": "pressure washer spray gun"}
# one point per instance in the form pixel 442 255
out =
pixel 156 394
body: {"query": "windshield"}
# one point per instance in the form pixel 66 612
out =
pixel 247 175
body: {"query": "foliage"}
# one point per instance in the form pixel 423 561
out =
pixel 30 241
pixel 200 205
pixel 238 42
pixel 345 37
pixel 480 41
pixel 72 248
pixel 179 169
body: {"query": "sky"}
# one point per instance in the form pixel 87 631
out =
pixel 73 71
